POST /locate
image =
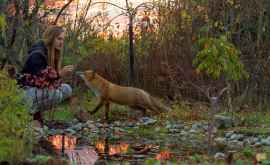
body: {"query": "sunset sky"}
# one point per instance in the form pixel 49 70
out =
pixel 109 12
pixel 109 9
pixel 121 22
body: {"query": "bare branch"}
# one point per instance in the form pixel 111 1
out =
pixel 206 93
pixel 127 6
pixel 110 4
pixel 145 5
pixel 86 9
pixel 43 16
pixel 61 11
pixel 110 21
pixel 81 18
pixel 222 91
pixel 35 10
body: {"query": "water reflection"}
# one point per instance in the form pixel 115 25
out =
pixel 58 141
pixel 84 155
pixel 102 147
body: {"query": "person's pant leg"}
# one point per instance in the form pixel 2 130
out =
pixel 43 99
pixel 66 91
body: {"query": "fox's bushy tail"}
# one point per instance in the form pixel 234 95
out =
pixel 158 106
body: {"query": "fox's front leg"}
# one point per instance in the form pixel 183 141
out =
pixel 100 104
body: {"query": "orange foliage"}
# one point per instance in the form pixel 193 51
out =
pixel 164 155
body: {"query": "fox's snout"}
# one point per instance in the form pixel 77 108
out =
pixel 80 74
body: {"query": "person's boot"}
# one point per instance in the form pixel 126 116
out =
pixel 37 119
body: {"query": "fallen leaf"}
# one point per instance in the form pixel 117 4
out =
pixel 260 157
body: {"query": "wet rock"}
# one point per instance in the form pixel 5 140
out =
pixel 251 140
pixel 38 133
pixel 91 126
pixel 74 121
pixel 136 127
pixel 117 124
pixel 157 129
pixel 192 131
pixel 79 136
pixel 236 137
pixel 45 128
pixel 220 143
pixel 78 126
pixel 220 140
pixel 257 144
pixel 237 145
pixel 183 133
pixel 147 120
pixel 266 141
pixel 70 131
pixel 130 125
pixel 99 125
pixel 205 127
pixel 186 128
pixel 197 126
pixel 168 124
pixel 219 156
pixel 174 130
pixel 139 156
pixel 86 129
pixel 90 122
pixel 55 131
pixel 176 125
pixel 118 129
pixel 222 122
pixel 229 134
pixel 179 126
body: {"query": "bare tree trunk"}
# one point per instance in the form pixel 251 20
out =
pixel 131 52
pixel 260 25
pixel 131 46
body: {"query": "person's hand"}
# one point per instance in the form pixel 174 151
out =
pixel 66 70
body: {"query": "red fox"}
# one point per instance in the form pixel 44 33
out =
pixel 108 93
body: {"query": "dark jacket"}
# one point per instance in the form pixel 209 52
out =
pixel 37 59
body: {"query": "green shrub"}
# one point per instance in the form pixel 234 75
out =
pixel 15 130
pixel 218 56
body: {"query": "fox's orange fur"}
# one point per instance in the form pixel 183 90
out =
pixel 112 93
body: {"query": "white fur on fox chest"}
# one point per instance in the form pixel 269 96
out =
pixel 96 91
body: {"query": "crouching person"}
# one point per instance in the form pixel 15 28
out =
pixel 42 73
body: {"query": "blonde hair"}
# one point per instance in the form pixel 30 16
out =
pixel 54 55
